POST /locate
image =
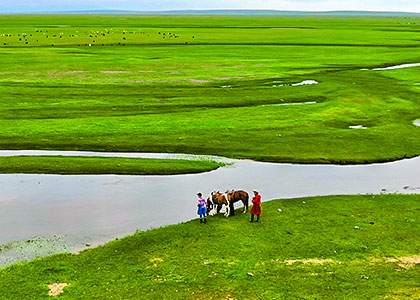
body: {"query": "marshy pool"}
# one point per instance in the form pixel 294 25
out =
pixel 403 66
pixel 87 210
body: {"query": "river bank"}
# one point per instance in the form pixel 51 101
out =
pixel 320 247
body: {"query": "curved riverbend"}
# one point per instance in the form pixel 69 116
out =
pixel 87 210
pixel 115 154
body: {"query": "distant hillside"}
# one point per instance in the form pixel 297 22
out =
pixel 244 13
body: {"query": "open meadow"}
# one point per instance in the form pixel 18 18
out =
pixel 304 90
pixel 212 85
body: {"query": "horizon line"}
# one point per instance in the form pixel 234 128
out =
pixel 87 11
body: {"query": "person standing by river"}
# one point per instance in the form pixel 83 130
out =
pixel 202 210
pixel 256 207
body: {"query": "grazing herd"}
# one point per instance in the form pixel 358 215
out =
pixel 105 37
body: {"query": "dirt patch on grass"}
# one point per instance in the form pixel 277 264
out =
pixel 191 80
pixel 234 67
pixel 55 74
pixel 232 77
pixel 155 81
pixel 198 81
pixel 406 262
pixel 56 288
pixel 115 72
pixel 212 295
pixel 73 72
pixel 222 78
pixel 155 262
pixel 309 261
pixel 403 293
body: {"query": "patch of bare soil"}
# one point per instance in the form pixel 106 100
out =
pixel 115 72
pixel 309 261
pixel 155 262
pixel 155 80
pixel 191 80
pixel 406 262
pixel 56 288
pixel 234 67
pixel 197 81
pixel 212 295
pixel 72 72
pixel 408 292
pixel 222 78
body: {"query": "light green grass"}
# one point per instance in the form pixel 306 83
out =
pixel 102 165
pixel 162 95
pixel 211 261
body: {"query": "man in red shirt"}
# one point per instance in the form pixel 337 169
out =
pixel 256 207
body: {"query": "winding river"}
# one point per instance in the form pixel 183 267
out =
pixel 71 213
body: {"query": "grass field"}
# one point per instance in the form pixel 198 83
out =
pixel 101 165
pixel 229 86
pixel 336 247
pixel 212 85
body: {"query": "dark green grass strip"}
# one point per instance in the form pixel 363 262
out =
pixel 103 165
pixel 212 261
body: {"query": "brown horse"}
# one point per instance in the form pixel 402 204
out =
pixel 216 200
pixel 235 196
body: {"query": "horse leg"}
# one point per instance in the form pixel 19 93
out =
pixel 231 208
pixel 214 210
pixel 227 210
pixel 245 206
pixel 246 203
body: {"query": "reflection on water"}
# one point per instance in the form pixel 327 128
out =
pixel 102 207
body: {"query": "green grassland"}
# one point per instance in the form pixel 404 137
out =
pixel 307 251
pixel 103 165
pixel 210 85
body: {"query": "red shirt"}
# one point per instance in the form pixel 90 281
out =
pixel 257 199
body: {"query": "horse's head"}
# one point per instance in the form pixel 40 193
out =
pixel 220 198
